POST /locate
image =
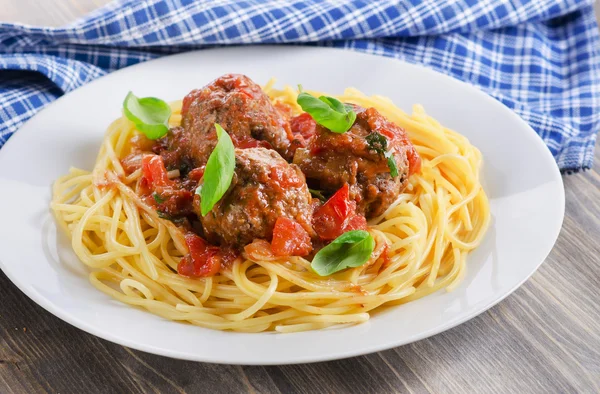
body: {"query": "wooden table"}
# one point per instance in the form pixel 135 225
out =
pixel 544 338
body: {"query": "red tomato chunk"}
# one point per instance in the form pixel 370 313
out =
pixel 290 239
pixel 337 216
pixel 154 171
pixel 203 260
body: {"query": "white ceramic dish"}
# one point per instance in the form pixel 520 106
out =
pixel 519 175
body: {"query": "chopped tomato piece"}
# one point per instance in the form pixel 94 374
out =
pixel 356 222
pixel 197 173
pixel 303 128
pixel 389 134
pixel 154 171
pixel 414 160
pixel 303 125
pixel 203 260
pixel 337 216
pixel 290 239
pixel 330 217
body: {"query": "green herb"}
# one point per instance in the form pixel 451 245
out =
pixel 149 114
pixel 218 172
pixel 379 143
pixel 164 215
pixel 327 111
pixel 351 249
pixel 317 193
pixel 158 198
pixel 392 164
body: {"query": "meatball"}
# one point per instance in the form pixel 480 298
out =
pixel 264 187
pixel 358 157
pixel 241 107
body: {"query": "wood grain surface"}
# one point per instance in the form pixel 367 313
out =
pixel 545 338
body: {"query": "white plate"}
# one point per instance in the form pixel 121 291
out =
pixel 519 176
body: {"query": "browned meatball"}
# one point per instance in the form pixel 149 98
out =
pixel 264 187
pixel 241 107
pixel 357 157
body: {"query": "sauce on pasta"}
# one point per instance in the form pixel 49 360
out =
pixel 299 192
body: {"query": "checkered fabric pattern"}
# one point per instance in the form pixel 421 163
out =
pixel 539 57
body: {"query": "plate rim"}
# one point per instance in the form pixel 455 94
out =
pixel 288 360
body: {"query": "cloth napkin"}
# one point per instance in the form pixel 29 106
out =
pixel 539 57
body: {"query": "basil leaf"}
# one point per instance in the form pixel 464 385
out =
pixel 378 143
pixel 149 114
pixel 218 172
pixel 334 103
pixel 351 236
pixel 327 111
pixel 392 164
pixel 351 249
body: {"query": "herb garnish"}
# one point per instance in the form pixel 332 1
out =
pixel 317 193
pixel 327 111
pixel 218 172
pixel 379 144
pixel 158 198
pixel 149 114
pixel 392 164
pixel 351 249
pixel 164 215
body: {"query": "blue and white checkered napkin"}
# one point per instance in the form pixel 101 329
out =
pixel 539 57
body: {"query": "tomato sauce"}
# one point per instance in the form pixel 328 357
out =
pixel 268 197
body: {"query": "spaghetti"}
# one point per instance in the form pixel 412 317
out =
pixel 426 234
